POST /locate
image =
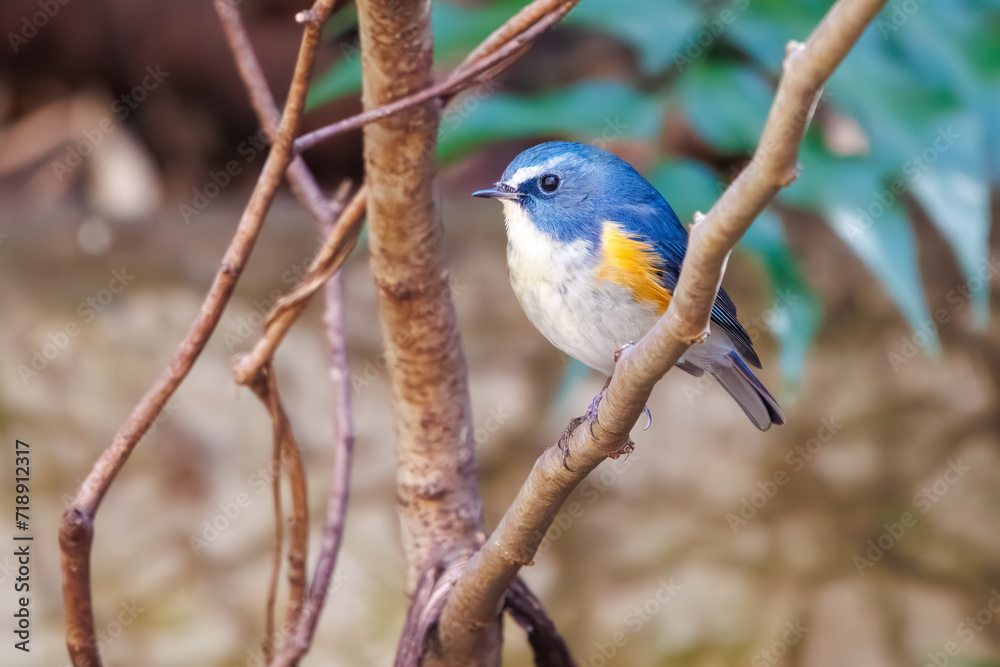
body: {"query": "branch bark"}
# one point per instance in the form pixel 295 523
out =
pixel 326 214
pixel 438 496
pixel 481 587
pixel 497 52
pixel 437 485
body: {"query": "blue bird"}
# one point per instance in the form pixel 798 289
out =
pixel 594 253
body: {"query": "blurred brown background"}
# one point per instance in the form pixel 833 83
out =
pixel 864 532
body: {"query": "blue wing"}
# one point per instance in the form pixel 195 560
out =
pixel 654 221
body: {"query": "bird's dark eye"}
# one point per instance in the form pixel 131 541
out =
pixel 549 182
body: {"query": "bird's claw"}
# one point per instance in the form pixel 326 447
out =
pixel 590 416
pixel 627 449
pixel 649 418
pixel 564 440
pixel 620 351
pixel 592 410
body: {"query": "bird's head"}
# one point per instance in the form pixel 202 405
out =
pixel 567 190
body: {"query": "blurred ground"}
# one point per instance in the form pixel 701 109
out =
pixel 644 554
pixel 863 532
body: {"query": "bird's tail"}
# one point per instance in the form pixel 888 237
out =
pixel 756 401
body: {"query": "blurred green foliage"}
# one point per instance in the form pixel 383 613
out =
pixel 916 99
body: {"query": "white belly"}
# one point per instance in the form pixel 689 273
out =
pixel 554 281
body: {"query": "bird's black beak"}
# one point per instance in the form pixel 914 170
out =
pixel 498 191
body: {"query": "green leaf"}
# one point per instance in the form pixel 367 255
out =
pixel 886 245
pixel 857 200
pixel 457 30
pixel 689 186
pixel 794 315
pixel 656 29
pixel 593 111
pixel 341 79
pixel 954 193
pixel 727 104
pixel 573 376
pixel 765 26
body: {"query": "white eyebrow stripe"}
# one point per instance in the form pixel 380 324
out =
pixel 527 173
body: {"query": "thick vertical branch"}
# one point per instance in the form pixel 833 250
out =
pixel 438 496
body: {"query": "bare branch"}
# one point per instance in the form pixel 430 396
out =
pixel 306 189
pixel 300 179
pixel 496 52
pixel 513 544
pixel 338 245
pixel 491 55
pixel 548 646
pixel 340 487
pixel 288 458
pixel 76 530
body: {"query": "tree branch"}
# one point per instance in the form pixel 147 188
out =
pixel 76 531
pixel 326 215
pixel 288 458
pixel 497 52
pixel 478 592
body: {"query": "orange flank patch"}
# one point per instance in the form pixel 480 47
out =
pixel 633 263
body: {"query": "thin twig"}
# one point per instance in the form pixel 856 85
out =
pixel 76 530
pixel 340 485
pixel 326 214
pixel 519 32
pixel 288 458
pixel 337 246
pixel 267 643
pixel 513 544
pixel 299 176
pixel 548 646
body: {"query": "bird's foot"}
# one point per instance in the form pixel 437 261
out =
pixel 564 439
pixel 620 351
pixel 626 449
pixel 590 416
pixel 592 410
